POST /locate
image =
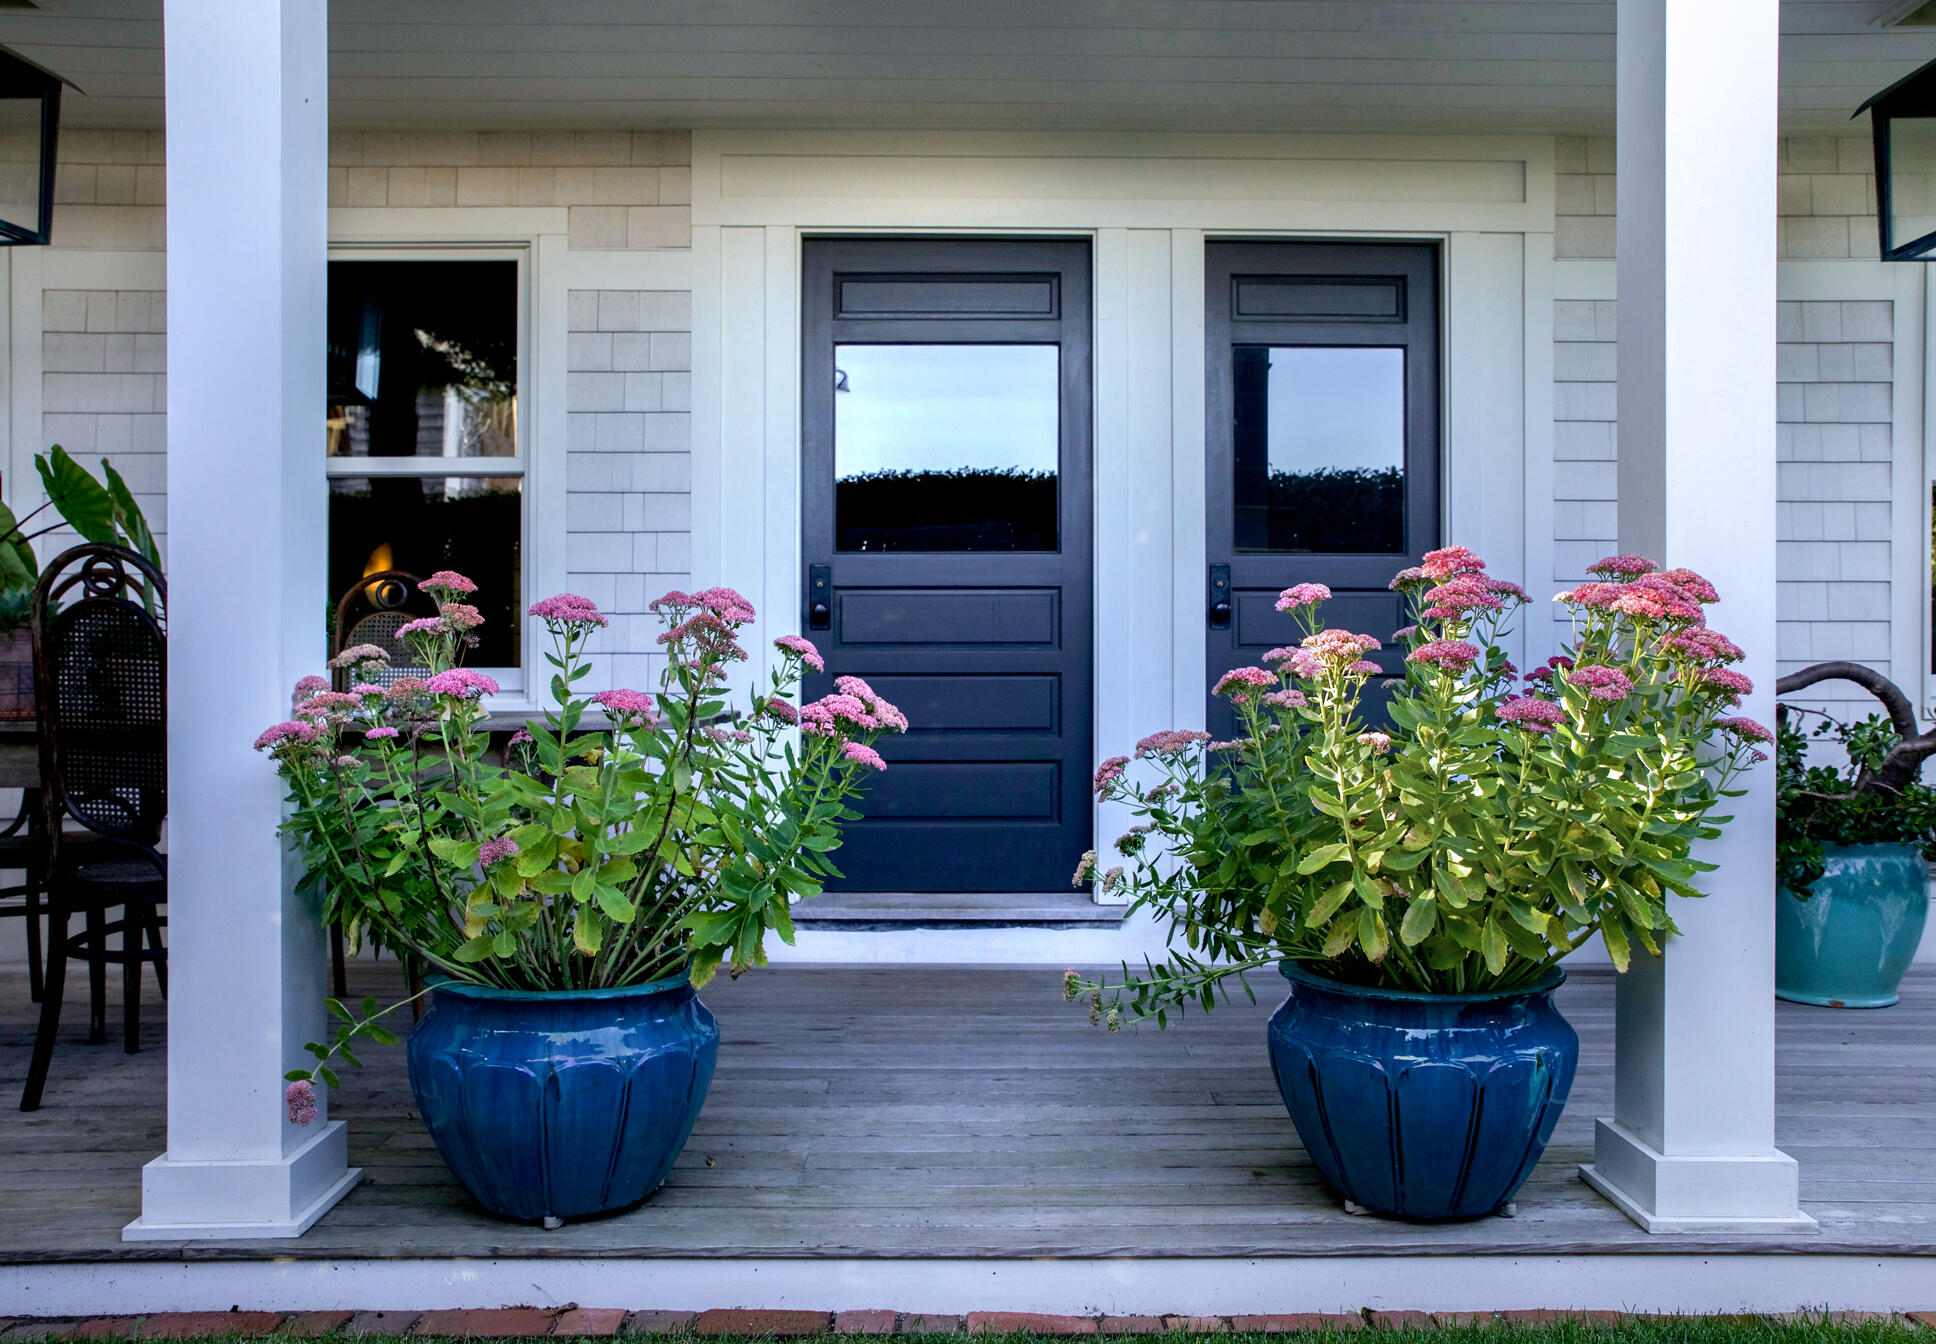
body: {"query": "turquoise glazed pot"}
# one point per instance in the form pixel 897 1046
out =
pixel 1847 945
pixel 1428 1106
pixel 562 1105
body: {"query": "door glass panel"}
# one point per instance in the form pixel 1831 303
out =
pixel 946 447
pixel 1319 449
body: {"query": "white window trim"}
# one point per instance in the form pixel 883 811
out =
pixel 537 239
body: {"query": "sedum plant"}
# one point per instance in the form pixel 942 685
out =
pixel 1488 828
pixel 672 842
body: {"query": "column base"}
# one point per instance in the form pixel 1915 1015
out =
pixel 1708 1193
pixel 197 1200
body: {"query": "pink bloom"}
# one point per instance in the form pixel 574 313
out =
pixel 1726 681
pixel 1654 598
pixel 888 716
pixel 1691 584
pixel 289 732
pixel 503 847
pixel 520 737
pixel 1380 743
pixel 782 711
pixel 300 1099
pixel 1364 667
pixel 462 683
pixel 381 734
pixel 861 752
pixel 1108 773
pixel 709 634
pixel 405 689
pixel 1112 879
pixel 1601 683
pixel 1458 598
pixel 629 704
pixel 830 714
pixel 337 704
pixel 725 604
pixel 448 581
pixel 1451 655
pixel 366 689
pixel 460 616
pixel 802 648
pixel 1707 646
pixel 1306 664
pixel 1302 595
pixel 1622 567
pixel 1507 588
pixel 1531 713
pixel 423 625
pixel 1242 683
pixel 1592 595
pixel 1085 868
pixel 1235 744
pixel 1169 742
pixel 1340 645
pixel 1279 655
pixel 307 687
pixel 1285 700
pixel 1746 729
pixel 1449 561
pixel 1406 578
pixel 1404 632
pixel 570 612
pixel 358 653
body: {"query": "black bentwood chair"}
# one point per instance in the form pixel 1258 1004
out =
pixel 100 673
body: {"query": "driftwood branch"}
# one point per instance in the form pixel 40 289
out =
pixel 1905 762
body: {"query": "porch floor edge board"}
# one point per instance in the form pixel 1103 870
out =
pixel 897 910
pixel 910 1116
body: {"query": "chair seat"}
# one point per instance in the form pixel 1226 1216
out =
pixel 119 880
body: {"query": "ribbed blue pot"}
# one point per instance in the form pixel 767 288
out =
pixel 562 1105
pixel 1848 944
pixel 1428 1106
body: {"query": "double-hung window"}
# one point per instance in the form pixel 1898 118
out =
pixel 427 438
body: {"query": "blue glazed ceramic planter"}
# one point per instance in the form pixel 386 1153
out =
pixel 562 1105
pixel 1848 945
pixel 1428 1106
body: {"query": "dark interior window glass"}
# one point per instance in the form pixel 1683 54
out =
pixel 1319 449
pixel 421 524
pixel 946 447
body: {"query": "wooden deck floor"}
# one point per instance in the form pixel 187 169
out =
pixel 917 1112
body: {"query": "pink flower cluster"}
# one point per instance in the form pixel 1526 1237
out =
pixel 1244 683
pixel 1557 663
pixel 889 717
pixel 802 648
pixel 724 603
pixel 1727 682
pixel 1622 567
pixel 1285 700
pixel 1340 646
pixel 356 655
pixel 300 1100
pixel 1380 743
pixel 1600 682
pixel 1450 655
pixel 492 851
pixel 1531 713
pixel 709 635
pixel 1108 773
pixel 1449 562
pixel 448 582
pixel 864 754
pixel 625 704
pixel 853 706
pixel 290 732
pixel 1746 729
pixel 568 613
pixel 781 711
pixel 462 683
pixel 1457 599
pixel 1704 645
pixel 308 686
pixel 1302 595
pixel 381 734
pixel 1169 742
pixel 461 616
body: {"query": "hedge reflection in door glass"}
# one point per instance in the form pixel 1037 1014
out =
pixel 946 447
pixel 1319 449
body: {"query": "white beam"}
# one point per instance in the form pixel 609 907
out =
pixel 247 166
pixel 1691 1143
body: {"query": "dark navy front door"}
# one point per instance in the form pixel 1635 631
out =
pixel 946 511
pixel 1321 438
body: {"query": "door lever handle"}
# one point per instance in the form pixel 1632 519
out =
pixel 820 593
pixel 1220 597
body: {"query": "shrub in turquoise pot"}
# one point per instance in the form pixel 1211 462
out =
pixel 1419 881
pixel 569 891
pixel 1854 828
pixel 1847 944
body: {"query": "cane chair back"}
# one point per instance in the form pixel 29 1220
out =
pixel 371 612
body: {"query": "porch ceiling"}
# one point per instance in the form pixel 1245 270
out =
pixel 1446 65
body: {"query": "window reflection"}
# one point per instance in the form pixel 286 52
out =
pixel 1319 440
pixel 946 447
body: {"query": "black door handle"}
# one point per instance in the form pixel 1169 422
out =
pixel 1220 597
pixel 820 593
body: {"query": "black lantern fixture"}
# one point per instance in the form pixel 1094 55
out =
pixel 1903 122
pixel 29 130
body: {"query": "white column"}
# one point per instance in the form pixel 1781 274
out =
pixel 247 227
pixel 1691 1145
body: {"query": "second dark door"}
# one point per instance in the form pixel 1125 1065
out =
pixel 1321 438
pixel 947 541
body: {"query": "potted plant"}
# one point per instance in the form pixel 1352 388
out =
pixel 1852 845
pixel 101 513
pixel 571 903
pixel 1417 883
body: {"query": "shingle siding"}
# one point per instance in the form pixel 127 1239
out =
pixel 1835 370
